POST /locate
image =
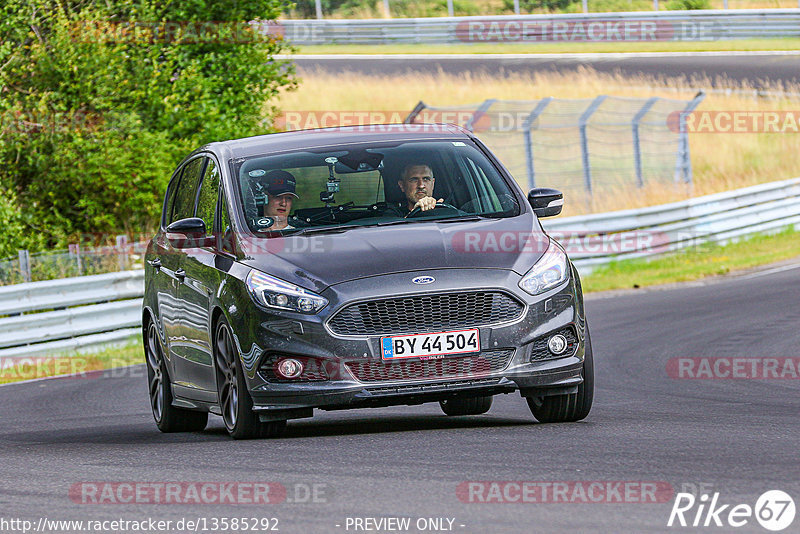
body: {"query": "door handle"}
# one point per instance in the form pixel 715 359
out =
pixel 180 274
pixel 155 263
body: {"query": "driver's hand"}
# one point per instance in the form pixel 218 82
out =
pixel 427 203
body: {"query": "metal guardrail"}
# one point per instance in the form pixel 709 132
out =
pixel 700 25
pixel 91 311
pixel 56 316
pixel 598 239
pixel 75 261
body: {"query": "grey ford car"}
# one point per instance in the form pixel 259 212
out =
pixel 357 267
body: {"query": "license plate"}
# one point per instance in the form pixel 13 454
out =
pixel 428 345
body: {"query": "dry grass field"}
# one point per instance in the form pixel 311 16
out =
pixel 721 161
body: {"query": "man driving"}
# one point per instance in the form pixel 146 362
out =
pixel 280 189
pixel 416 182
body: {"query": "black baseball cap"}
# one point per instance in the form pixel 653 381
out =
pixel 279 183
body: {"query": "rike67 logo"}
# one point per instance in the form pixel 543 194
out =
pixel 774 510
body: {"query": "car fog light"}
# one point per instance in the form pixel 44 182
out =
pixel 290 368
pixel 557 344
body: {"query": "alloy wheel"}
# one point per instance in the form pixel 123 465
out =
pixel 154 372
pixel 227 379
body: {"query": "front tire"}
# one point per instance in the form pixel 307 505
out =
pixel 235 402
pixel 573 406
pixel 471 406
pixel 168 418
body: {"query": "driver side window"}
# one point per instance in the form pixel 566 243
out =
pixel 187 189
pixel 207 197
pixel 226 236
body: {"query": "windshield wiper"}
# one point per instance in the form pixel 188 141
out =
pixel 321 230
pixel 460 218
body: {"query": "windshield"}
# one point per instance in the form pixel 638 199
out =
pixel 373 184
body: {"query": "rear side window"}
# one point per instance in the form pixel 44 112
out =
pixel 207 199
pixel 187 190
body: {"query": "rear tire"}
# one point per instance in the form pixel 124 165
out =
pixel 573 406
pixel 235 401
pixel 470 406
pixel 168 418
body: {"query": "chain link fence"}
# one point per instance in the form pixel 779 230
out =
pixel 74 261
pixel 582 146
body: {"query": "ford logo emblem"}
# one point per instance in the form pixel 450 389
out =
pixel 422 280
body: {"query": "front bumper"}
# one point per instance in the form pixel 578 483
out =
pixel 309 337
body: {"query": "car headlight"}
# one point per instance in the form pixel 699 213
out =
pixel 550 271
pixel 275 293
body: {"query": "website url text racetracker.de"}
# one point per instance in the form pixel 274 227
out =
pixel 630 30
pixel 197 524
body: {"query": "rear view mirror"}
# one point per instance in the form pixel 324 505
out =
pixel 546 202
pixel 188 233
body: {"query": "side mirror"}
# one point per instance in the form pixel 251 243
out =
pixel 188 233
pixel 546 202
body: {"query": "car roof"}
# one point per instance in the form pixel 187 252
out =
pixel 278 142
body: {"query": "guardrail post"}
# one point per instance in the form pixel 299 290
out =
pixel 25 265
pixel 516 7
pixel 526 134
pixel 683 163
pixel 75 251
pixel 637 152
pixel 450 11
pixel 587 171
pixel 585 5
pixel 122 251
pixel 655 5
pixel 414 112
pixel 318 7
pixel 483 108
pixel 386 9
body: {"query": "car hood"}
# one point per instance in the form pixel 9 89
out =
pixel 320 261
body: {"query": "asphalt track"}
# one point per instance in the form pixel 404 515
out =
pixel 761 70
pixel 738 437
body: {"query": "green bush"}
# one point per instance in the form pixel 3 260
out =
pixel 676 5
pixel 95 119
pixel 374 8
pixel 528 6
pixel 16 233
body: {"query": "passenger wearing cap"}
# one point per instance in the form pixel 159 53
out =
pixel 280 189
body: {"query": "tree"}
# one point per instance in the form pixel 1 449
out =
pixel 100 100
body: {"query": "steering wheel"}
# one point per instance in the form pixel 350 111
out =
pixel 439 205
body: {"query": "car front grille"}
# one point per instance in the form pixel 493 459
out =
pixel 425 313
pixel 540 352
pixel 477 365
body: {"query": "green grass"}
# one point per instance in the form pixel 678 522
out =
pixel 557 48
pixel 62 364
pixel 705 260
